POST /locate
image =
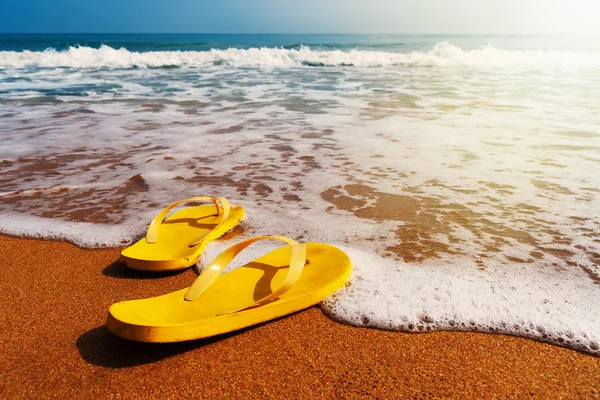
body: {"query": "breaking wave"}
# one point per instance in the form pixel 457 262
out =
pixel 442 54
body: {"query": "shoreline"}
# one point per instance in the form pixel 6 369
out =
pixel 55 297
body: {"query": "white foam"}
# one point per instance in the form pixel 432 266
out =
pixel 82 234
pixel 442 54
pixel 499 166
pixel 548 305
pixel 515 300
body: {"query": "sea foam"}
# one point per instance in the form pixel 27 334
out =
pixel 442 54
pixel 467 198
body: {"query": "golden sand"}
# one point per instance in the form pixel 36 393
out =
pixel 53 343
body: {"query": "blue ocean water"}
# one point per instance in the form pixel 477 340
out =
pixel 460 173
pixel 204 42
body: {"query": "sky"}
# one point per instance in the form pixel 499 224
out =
pixel 301 16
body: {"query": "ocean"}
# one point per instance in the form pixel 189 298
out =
pixel 460 173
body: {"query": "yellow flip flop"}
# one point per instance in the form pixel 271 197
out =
pixel 286 280
pixel 177 242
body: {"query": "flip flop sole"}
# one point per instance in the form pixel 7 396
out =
pixel 172 252
pixel 171 318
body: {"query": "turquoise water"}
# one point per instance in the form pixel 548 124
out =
pixel 204 42
pixel 460 173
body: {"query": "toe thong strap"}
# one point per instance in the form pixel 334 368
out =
pixel 216 267
pixel 223 211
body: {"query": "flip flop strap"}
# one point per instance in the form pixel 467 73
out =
pixel 216 267
pixel 152 233
pixel 215 233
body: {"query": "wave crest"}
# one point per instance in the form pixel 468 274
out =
pixel 442 54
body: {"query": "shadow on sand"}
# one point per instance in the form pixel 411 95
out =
pixel 119 270
pixel 99 346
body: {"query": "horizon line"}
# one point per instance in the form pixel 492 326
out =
pixel 288 33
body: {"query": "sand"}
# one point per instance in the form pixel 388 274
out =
pixel 53 343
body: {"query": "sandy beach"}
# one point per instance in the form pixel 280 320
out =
pixel 54 344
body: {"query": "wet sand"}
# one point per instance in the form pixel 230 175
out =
pixel 53 343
